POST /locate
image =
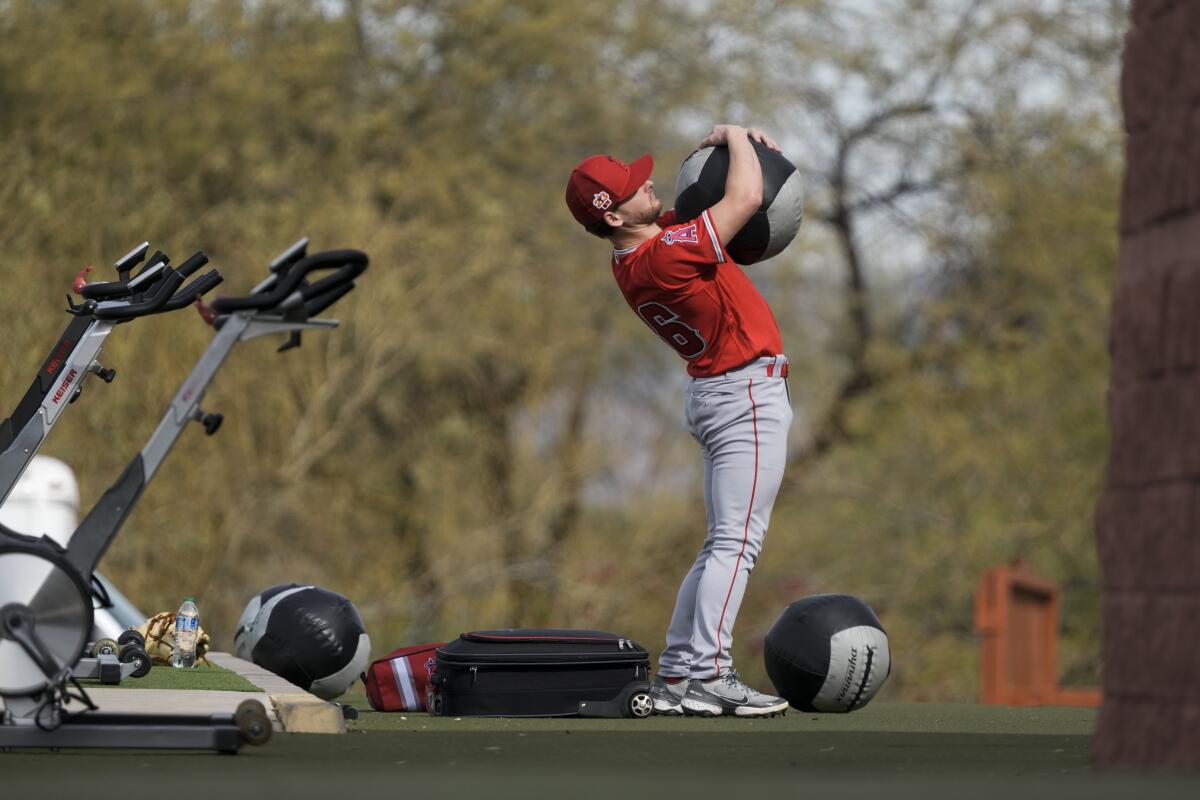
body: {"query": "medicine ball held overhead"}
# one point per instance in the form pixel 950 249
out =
pixel 827 653
pixel 307 635
pixel 701 183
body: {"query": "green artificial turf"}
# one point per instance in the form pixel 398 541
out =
pixel 884 718
pixel 201 676
pixel 892 751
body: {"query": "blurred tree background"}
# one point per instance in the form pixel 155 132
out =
pixel 491 438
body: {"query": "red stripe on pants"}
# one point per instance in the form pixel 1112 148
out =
pixel 745 529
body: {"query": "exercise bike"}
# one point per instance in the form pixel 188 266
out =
pixel 26 561
pixel 73 358
pixel 284 303
pixel 45 616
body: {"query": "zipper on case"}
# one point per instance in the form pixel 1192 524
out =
pixel 474 674
pixel 553 664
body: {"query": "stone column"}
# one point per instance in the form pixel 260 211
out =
pixel 1147 518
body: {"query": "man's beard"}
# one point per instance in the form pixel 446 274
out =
pixel 649 215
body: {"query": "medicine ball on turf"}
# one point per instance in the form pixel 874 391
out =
pixel 827 653
pixel 307 635
pixel 701 183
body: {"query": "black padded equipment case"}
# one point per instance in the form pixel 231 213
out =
pixel 526 672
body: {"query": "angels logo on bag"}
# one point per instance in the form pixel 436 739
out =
pixel 397 682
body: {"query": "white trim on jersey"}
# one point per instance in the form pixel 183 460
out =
pixel 406 683
pixel 712 234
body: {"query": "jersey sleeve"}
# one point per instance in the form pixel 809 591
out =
pixel 685 251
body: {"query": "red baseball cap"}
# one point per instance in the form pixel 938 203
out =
pixel 603 182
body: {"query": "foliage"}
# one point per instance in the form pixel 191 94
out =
pixel 491 438
pixel 986 442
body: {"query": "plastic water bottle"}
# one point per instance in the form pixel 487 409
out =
pixel 187 630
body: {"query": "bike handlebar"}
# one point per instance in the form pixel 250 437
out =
pixel 103 290
pixel 153 289
pixel 153 272
pixel 318 304
pixel 153 301
pixel 112 290
pixel 194 262
pixel 159 257
pixel 349 264
pixel 188 294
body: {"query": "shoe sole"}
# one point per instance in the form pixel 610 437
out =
pixel 699 708
pixel 769 711
pixel 667 709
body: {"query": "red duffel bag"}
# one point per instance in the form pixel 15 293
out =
pixel 397 681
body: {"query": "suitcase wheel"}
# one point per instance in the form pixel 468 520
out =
pixel 640 705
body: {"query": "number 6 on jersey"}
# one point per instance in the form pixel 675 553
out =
pixel 685 339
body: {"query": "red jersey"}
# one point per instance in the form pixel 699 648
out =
pixel 685 287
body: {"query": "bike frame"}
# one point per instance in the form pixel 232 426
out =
pixel 100 526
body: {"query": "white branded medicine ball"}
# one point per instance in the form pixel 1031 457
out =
pixel 309 636
pixel 827 653
pixel 701 183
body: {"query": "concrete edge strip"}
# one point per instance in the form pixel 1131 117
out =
pixel 296 710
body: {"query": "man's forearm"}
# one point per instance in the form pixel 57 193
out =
pixel 744 180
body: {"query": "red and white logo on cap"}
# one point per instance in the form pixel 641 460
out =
pixel 601 200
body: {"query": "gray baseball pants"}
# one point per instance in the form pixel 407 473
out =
pixel 741 421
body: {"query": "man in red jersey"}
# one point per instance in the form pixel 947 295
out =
pixel 676 276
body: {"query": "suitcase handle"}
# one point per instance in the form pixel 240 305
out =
pixel 491 637
pixel 549 635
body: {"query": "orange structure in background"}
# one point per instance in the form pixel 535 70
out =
pixel 1016 615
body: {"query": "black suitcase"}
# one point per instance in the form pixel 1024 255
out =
pixel 525 672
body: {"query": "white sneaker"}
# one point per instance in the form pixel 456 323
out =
pixel 666 696
pixel 727 695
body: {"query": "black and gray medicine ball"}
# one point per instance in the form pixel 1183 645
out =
pixel 307 635
pixel 827 653
pixel 701 183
